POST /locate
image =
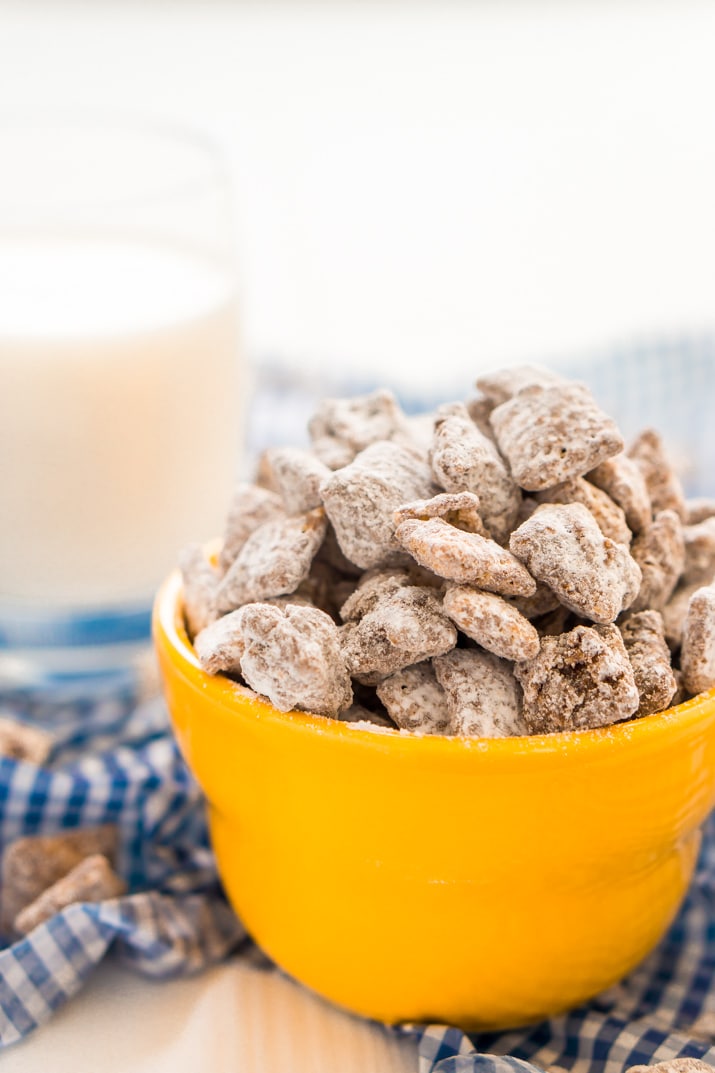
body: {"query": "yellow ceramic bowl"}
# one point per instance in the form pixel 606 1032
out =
pixel 486 883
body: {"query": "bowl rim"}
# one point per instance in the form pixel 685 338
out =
pixel 649 729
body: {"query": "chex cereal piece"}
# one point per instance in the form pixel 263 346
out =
pixel 333 556
pixel 415 700
pixel 373 586
pixel 698 509
pixel 332 452
pixel 621 478
pixel 562 546
pixel 18 741
pixel 492 622
pixel 92 880
pixel 297 475
pixel 610 518
pixel 697 655
pixel 663 483
pixel 292 656
pixel 480 409
pixel 699 541
pixel 579 680
pixel 273 561
pixel 31 865
pixel 674 613
pixel 465 557
pixel 200 582
pixel 464 460
pixel 539 603
pixel 460 509
pixel 353 424
pixel 360 500
pixel 674 1065
pixel 549 435
pixel 219 647
pixel 648 652
pixel 660 554
pixel 357 713
pixel 251 507
pixel 483 697
pixel 405 626
pixel 502 385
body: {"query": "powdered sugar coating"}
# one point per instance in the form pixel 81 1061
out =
pixel 483 697
pixel 251 507
pixel 549 435
pixel 293 656
pixel 373 586
pixel 674 1065
pixel 92 880
pixel 609 517
pixel 464 460
pixel 200 584
pixel 562 546
pixel 404 626
pixel 220 645
pixel 415 700
pixel 18 741
pixel 361 498
pixel 353 424
pixel 621 478
pixel 697 656
pixel 503 384
pixel 699 544
pixel 465 557
pixel 460 509
pixel 674 613
pixel 660 554
pixel 698 509
pixel 273 561
pixel 492 622
pixel 579 680
pixel 480 411
pixel 298 475
pixel 662 482
pixel 643 636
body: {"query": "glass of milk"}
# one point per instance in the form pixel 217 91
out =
pixel 119 387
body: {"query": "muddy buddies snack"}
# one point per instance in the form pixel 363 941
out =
pixel 499 568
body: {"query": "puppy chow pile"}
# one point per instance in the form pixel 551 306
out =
pixel 501 567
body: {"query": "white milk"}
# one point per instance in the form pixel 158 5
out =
pixel 118 416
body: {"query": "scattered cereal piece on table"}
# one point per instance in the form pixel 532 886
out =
pixel 465 557
pixel 649 654
pixel 660 554
pixel 492 622
pixel 609 517
pixel 92 880
pixel 18 741
pixel 663 483
pixel 274 560
pixel 674 1065
pixel 292 655
pixel 579 680
pixel 361 498
pixel 563 547
pixel 697 655
pixel 483 697
pixel 460 509
pixel 200 584
pixel 415 700
pixel 251 507
pixel 699 541
pixel 621 478
pixel 551 434
pixel 298 475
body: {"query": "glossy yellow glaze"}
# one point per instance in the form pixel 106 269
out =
pixel 484 883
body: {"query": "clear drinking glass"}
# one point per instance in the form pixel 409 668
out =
pixel 119 385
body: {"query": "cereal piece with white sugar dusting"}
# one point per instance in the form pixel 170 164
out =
pixel 31 865
pixel 373 586
pixel 697 655
pixel 200 583
pixel 579 680
pixel 663 483
pixel 648 652
pixel 624 482
pixel 353 424
pixel 660 554
pixel 698 509
pixel 480 410
pixel 483 697
pixel 464 460
pixel 549 435
pixel 18 741
pixel 674 1065
pixel 251 507
pixel 405 626
pixel 415 700
pixel 460 509
pixel 675 611
pixel 502 385
pixel 92 880
pixel 273 561
pixel 360 500
pixel 610 518
pixel 292 655
pixel 699 541
pixel 298 475
pixel 562 546
pixel 219 646
pixel 492 622
pixel 465 557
